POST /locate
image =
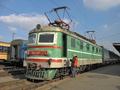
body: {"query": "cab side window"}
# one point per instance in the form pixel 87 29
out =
pixel 88 47
pixel 96 50
pixel 81 45
pixel 99 51
pixel 72 42
pixel 92 49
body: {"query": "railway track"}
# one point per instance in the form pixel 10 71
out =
pixel 9 70
pixel 8 66
pixel 2 67
pixel 11 73
pixel 25 84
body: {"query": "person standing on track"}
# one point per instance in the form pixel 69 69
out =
pixel 74 65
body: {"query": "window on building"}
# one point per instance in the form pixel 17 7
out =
pixel 81 45
pixel 72 42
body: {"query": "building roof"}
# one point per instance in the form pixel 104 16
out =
pixel 117 46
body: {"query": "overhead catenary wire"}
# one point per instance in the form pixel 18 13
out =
pixel 110 36
pixel 52 15
pixel 12 32
pixel 12 26
pixel 44 10
pixel 7 39
pixel 73 17
pixel 37 5
pixel 86 16
pixel 19 13
pixel 54 3
pixel 5 8
pixel 76 19
pixel 40 7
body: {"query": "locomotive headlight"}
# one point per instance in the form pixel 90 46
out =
pixel 39 27
pixel 46 53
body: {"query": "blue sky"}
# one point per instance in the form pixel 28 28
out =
pixel 102 16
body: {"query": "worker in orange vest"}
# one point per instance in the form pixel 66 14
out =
pixel 74 65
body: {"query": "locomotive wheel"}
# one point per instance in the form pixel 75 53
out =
pixel 57 74
pixel 79 70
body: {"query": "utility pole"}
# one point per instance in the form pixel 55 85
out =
pixel 13 36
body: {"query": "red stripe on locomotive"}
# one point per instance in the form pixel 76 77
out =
pixel 45 47
pixel 45 60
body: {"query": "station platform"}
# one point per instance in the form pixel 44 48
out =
pixel 104 78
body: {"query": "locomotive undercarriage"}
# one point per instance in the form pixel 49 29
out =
pixel 39 73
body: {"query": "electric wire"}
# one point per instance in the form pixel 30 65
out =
pixel 70 14
pixel 76 19
pixel 40 7
pixel 12 32
pixel 37 5
pixel 19 13
pixel 54 16
pixel 8 35
pixel 14 26
pixel 86 17
pixel 54 3
pixel 110 36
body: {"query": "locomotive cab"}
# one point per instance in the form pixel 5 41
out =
pixel 47 49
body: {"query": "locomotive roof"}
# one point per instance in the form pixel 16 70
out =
pixel 71 33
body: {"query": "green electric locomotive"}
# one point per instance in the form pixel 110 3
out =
pixel 50 49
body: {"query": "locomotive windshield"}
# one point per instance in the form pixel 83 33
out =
pixel 46 38
pixel 32 39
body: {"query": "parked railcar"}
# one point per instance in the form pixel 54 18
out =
pixel 109 57
pixel 113 57
pixel 17 51
pixel 105 56
pixel 4 51
pixel 51 48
